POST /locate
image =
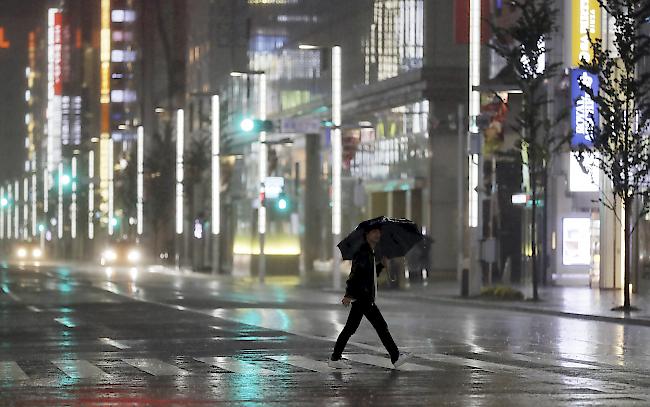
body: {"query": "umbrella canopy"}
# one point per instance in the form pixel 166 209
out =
pixel 398 236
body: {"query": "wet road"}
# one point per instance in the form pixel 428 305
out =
pixel 91 336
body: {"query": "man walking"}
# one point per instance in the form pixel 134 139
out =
pixel 361 292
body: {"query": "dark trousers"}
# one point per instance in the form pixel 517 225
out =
pixel 370 310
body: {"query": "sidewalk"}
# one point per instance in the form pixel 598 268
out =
pixel 573 302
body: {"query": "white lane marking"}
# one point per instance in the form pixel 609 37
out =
pixel 34 309
pixel 306 363
pixel 235 366
pixel 79 369
pixel 65 322
pixel 114 343
pixel 385 363
pixel 11 371
pixel 155 367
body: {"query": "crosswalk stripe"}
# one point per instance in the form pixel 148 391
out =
pixel 461 361
pixel 155 367
pixel 543 360
pixel 79 369
pixel 306 363
pixel 385 363
pixel 114 343
pixel 11 371
pixel 234 365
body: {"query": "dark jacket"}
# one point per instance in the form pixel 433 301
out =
pixel 360 284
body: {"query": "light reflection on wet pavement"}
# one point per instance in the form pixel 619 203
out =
pixel 131 337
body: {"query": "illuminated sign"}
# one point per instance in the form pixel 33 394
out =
pixel 585 23
pixel 3 42
pixel 54 89
pixel 579 180
pixel 584 111
pixel 576 238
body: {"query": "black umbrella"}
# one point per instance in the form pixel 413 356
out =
pixel 398 236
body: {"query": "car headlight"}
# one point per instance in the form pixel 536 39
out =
pixel 109 254
pixel 21 252
pixel 37 253
pixel 134 256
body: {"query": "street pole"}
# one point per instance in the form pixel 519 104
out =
pixel 111 201
pixel 337 152
pixel 261 220
pixel 140 182
pixel 216 184
pixel 91 195
pixel 180 146
pixel 475 214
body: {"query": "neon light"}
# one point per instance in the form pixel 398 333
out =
pixel 91 194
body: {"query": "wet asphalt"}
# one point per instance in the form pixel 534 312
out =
pixel 92 336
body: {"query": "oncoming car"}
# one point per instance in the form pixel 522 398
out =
pixel 121 254
pixel 28 251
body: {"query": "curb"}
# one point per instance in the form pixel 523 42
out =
pixel 470 303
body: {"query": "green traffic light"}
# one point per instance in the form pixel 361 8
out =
pixel 247 124
pixel 65 179
pixel 282 204
pixel 4 202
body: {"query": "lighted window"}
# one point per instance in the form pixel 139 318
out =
pixel 123 16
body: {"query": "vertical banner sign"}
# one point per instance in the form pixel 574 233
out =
pixel 585 23
pixel 584 111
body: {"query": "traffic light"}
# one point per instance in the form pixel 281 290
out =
pixel 4 202
pixel 282 203
pixel 252 125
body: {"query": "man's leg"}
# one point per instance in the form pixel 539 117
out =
pixel 380 325
pixel 354 319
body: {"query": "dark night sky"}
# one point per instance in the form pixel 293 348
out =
pixel 17 17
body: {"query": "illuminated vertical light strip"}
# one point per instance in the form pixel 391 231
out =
pixel 105 143
pixel 73 205
pixel 46 191
pixel 337 154
pixel 34 205
pixel 91 194
pixel 140 181
pixel 59 182
pixel 2 212
pixel 53 110
pixel 180 145
pixel 474 104
pixel 216 170
pixel 111 200
pixel 17 210
pixel 11 202
pixel 263 157
pixel 25 207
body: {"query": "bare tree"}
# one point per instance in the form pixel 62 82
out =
pixel 621 145
pixel 523 45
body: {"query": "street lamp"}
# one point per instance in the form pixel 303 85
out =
pixel 140 182
pixel 261 213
